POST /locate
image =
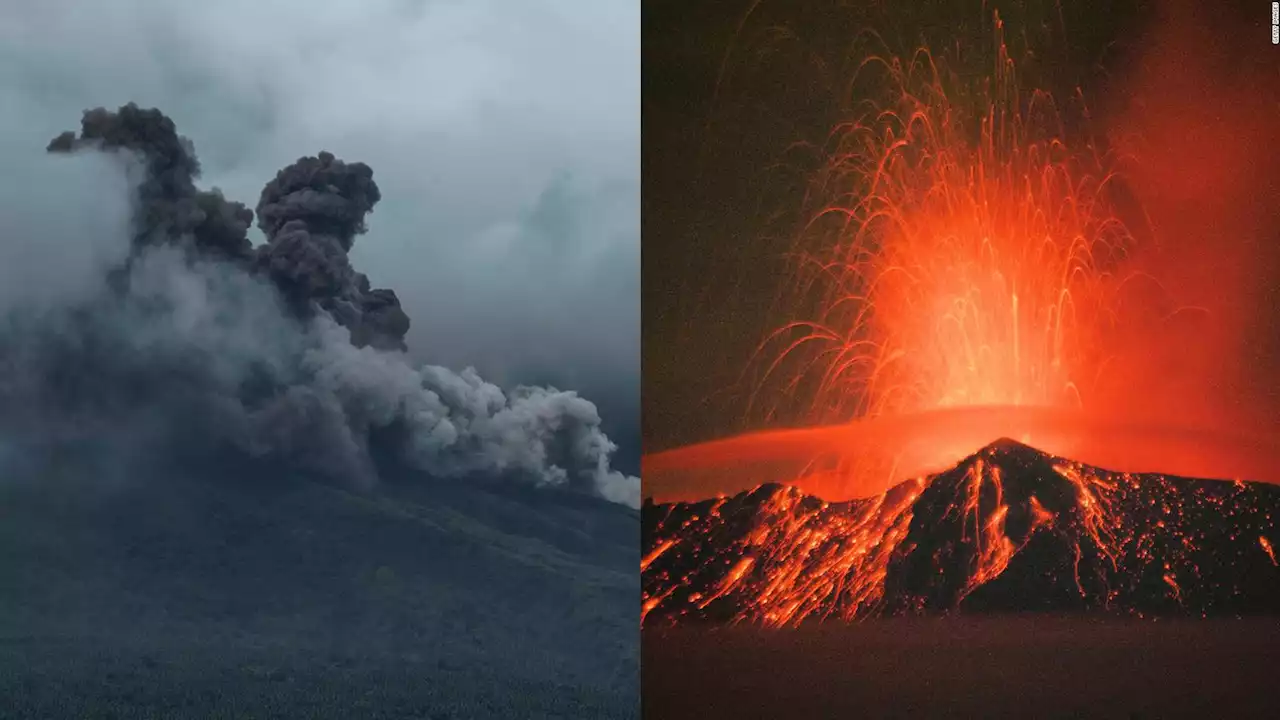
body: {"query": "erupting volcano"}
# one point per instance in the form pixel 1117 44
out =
pixel 971 265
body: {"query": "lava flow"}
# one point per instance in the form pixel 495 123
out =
pixel 1008 529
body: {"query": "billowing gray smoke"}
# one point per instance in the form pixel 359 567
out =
pixel 169 207
pixel 283 351
pixel 310 213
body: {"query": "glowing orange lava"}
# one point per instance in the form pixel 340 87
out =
pixel 866 457
pixel 970 275
pixel 1266 547
pixel 1010 524
pixel 964 250
pixel 972 280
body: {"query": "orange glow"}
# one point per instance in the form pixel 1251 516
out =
pixel 656 553
pixel 802 559
pixel 1266 547
pixel 995 549
pixel 832 462
pixel 966 256
pixel 1172 582
pixel 811 554
pixel 973 280
pixel 955 272
pixel 963 275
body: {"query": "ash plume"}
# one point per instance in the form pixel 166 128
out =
pixel 169 207
pixel 327 195
pixel 282 351
pixel 311 213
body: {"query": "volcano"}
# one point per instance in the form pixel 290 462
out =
pixel 1010 529
pixel 197 593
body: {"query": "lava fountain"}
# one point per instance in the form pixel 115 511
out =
pixel 964 253
pixel 967 261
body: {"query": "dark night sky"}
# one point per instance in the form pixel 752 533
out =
pixel 725 93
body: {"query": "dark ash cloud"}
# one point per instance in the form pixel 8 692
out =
pixel 281 350
pixel 475 116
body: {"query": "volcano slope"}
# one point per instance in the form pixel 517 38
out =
pixel 246 590
pixel 1015 585
pixel 1009 529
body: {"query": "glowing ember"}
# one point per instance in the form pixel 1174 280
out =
pixel 655 553
pixel 1266 547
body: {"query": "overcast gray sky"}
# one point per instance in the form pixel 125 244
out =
pixel 505 137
